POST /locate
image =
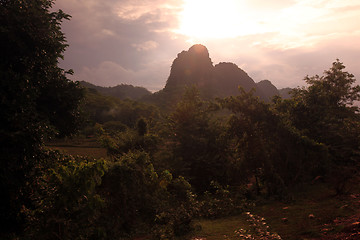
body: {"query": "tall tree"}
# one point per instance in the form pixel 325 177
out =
pixel 324 111
pixel 199 153
pixel 267 146
pixel 37 98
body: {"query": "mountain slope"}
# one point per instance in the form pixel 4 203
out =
pixel 194 67
pixel 228 79
pixel 122 91
pixel 268 89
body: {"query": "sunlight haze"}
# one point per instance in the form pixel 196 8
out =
pixel 134 42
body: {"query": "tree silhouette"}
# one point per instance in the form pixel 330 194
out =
pixel 325 111
pixel 37 99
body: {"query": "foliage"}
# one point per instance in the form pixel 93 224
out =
pixel 220 201
pixel 102 109
pixel 66 202
pixel 114 127
pixel 37 99
pixel 324 112
pixel 141 127
pixel 177 210
pixel 119 143
pixel 268 147
pixel 195 139
pixel 140 199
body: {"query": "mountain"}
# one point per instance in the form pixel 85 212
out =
pixel 228 79
pixel 194 67
pixel 285 93
pixel 191 67
pixel 268 89
pixel 120 91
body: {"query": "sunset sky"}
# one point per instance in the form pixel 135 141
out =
pixel 135 41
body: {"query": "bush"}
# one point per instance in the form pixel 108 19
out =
pixel 66 205
pixel 139 200
pixel 220 202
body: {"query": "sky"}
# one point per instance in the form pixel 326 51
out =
pixel 114 42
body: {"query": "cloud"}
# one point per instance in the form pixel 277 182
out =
pixel 145 46
pixel 119 32
pixel 105 74
pixel 287 67
pixel 151 10
pixel 134 41
pixel 269 5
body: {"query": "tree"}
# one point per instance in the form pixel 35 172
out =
pixel 140 199
pixel 68 205
pixel 198 150
pixel 267 146
pixel 37 99
pixel 101 109
pixel 324 111
pixel 141 126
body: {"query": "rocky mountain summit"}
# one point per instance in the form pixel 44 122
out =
pixel 194 67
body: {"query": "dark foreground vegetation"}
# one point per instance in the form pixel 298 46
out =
pixel 166 166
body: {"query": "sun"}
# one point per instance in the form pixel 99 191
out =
pixel 215 19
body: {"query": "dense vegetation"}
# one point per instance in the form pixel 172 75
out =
pixel 37 100
pixel 166 165
pixel 122 91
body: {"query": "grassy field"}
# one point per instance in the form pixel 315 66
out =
pixel 316 213
pixel 83 147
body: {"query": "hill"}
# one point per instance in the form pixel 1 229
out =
pixel 122 91
pixel 267 89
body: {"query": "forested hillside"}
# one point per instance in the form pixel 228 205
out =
pixel 201 148
pixel 122 91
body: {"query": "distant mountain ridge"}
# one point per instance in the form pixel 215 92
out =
pixel 194 67
pixel 122 91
